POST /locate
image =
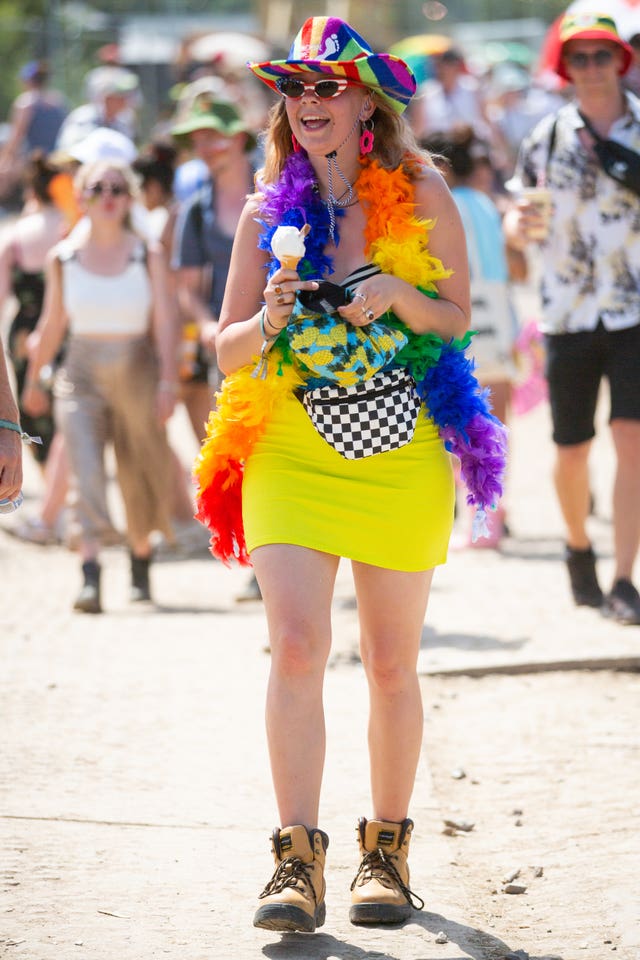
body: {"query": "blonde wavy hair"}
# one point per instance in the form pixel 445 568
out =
pixel 394 143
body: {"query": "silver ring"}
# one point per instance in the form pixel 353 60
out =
pixel 360 296
pixel 370 315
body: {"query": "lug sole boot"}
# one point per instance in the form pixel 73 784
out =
pixel 294 897
pixel 140 590
pixel 88 600
pixel 380 892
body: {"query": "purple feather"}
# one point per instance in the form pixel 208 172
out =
pixel 482 451
pixel 296 186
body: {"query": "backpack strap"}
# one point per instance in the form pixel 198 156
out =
pixel 550 147
pixel 532 177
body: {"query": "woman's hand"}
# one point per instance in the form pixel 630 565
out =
pixel 280 296
pixel 166 396
pixel 35 400
pixel 10 464
pixel 371 299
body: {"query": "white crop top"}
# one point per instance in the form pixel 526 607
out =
pixel 98 305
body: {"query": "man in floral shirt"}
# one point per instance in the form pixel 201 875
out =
pixel 590 291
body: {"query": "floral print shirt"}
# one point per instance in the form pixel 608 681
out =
pixel 590 262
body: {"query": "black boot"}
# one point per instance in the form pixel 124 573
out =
pixel 88 600
pixel 140 589
pixel 581 566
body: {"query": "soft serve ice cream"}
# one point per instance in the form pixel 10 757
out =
pixel 288 245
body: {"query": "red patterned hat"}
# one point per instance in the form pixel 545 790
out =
pixel 589 26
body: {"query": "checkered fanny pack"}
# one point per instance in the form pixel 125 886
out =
pixel 374 416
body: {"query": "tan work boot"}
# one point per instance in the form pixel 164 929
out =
pixel 380 891
pixel 294 897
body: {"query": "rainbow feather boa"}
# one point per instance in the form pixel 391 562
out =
pixel 396 240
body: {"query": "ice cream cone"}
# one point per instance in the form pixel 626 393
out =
pixel 289 263
pixel 288 245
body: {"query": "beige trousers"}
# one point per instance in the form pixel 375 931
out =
pixel 105 393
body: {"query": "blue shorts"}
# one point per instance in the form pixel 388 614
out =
pixel 575 366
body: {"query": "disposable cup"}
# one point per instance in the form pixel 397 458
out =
pixel 541 199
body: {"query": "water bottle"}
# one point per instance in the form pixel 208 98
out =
pixel 10 506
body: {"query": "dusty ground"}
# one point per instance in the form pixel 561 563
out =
pixel 135 798
pixel 552 768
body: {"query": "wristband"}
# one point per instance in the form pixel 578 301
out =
pixel 10 425
pixel 261 369
pixel 16 428
pixel 264 318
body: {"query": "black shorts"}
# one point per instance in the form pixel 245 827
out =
pixel 575 366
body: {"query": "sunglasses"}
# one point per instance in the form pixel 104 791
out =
pixel 580 60
pixel 293 89
pixel 114 189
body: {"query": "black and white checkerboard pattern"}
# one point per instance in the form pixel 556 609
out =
pixel 372 417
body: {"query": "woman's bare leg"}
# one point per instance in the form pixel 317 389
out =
pixel 297 587
pixel 392 606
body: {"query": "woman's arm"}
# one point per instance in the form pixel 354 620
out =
pixel 20 116
pixel 449 315
pixel 190 282
pixel 164 332
pixel 10 449
pixel 239 335
pixel 47 337
pixel 6 263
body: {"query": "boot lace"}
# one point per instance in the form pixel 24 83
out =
pixel 376 865
pixel 289 873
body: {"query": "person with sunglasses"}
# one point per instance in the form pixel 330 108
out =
pixel 105 291
pixel 371 321
pixel 590 291
pixel 213 131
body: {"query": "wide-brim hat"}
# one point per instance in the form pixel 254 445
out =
pixel 589 26
pixel 329 45
pixel 108 81
pixel 103 143
pixel 206 113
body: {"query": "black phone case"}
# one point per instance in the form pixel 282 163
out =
pixel 326 299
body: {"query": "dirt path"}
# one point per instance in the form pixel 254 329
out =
pixel 551 783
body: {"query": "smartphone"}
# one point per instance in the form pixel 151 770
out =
pixel 326 299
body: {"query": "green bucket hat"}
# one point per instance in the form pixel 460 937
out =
pixel 208 114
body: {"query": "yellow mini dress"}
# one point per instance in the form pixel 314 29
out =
pixel 392 510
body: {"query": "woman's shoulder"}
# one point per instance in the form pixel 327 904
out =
pixel 64 250
pixel 429 185
pixel 251 216
pixel 253 204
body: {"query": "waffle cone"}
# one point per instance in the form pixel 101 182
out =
pixel 290 263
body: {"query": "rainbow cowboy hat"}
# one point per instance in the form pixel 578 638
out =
pixel 329 45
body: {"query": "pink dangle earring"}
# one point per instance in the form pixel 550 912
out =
pixel 366 137
pixel 296 146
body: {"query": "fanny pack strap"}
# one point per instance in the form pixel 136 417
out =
pixel 599 139
pixel 592 130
